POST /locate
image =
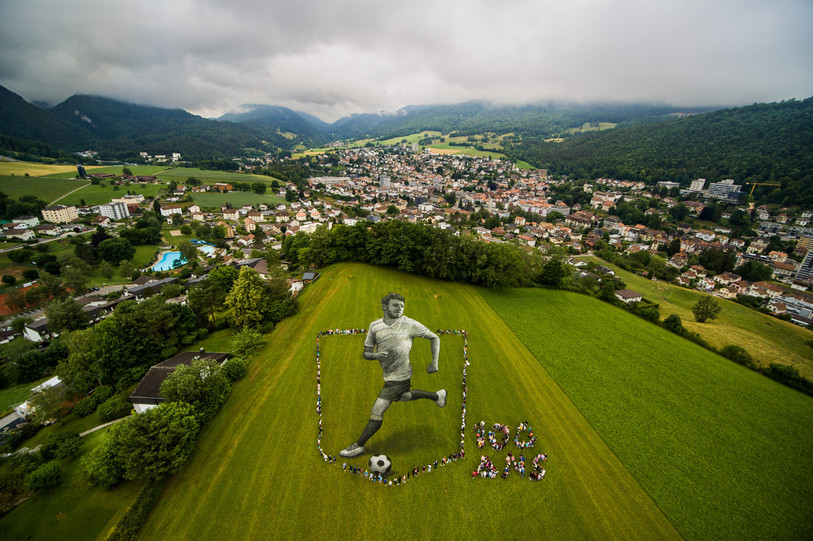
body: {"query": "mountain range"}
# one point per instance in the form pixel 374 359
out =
pixel 117 129
pixel 761 142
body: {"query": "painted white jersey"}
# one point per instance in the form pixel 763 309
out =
pixel 396 340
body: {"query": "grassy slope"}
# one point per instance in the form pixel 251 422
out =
pixel 768 339
pixel 724 451
pixel 46 189
pixel 256 472
pixel 55 515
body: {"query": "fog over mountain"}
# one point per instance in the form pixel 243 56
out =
pixel 331 59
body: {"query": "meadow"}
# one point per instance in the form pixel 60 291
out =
pixel 47 189
pixel 766 338
pixel 648 436
pixel 723 450
pixel 257 473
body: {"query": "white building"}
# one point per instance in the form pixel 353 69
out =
pixel 169 210
pixel 114 211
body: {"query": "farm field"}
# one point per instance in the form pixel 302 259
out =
pixel 267 479
pixel 724 451
pixel 768 339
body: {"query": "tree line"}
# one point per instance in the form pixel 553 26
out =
pixel 415 248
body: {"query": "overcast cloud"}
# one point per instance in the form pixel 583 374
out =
pixel 333 58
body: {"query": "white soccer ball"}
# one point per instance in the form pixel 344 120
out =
pixel 380 464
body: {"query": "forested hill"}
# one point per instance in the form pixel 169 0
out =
pixel 762 142
pixel 126 128
pixel 545 120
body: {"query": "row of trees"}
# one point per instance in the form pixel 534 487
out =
pixel 417 248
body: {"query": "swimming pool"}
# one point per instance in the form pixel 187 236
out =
pixel 169 260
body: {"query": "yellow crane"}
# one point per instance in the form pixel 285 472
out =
pixel 754 185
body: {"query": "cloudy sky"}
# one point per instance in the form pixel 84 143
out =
pixel 336 57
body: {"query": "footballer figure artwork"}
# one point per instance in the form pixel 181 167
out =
pixel 389 341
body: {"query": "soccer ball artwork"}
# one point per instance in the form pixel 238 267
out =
pixel 380 464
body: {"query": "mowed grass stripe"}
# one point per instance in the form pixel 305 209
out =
pixel 724 451
pixel 257 474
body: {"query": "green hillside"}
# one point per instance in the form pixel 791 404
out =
pixel 257 473
pixel 724 451
pixel 761 142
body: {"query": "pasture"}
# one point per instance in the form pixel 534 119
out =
pixel 724 451
pixel 257 473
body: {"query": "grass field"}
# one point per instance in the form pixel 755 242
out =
pixel 768 339
pixel 212 200
pixel 180 174
pixel 98 194
pixel 446 148
pixel 256 473
pixel 724 451
pixel 47 189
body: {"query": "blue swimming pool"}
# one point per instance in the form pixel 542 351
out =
pixel 168 261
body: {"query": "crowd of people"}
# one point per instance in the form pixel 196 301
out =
pixel 372 476
pixel 487 470
pixel 499 444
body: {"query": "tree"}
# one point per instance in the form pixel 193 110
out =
pixel 754 271
pixel 116 250
pixel 16 299
pixel 126 171
pixel 106 269
pixel 206 298
pixel 553 273
pixel 249 298
pixel 47 403
pixel 65 314
pixel 75 279
pixel 150 445
pixel 127 269
pixel 45 477
pixel 738 354
pixel 201 384
pixel 80 370
pixel 259 187
pixel 189 252
pixel 674 324
pixel 706 308
pixel 9 279
pixel 246 342
pixel 177 219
